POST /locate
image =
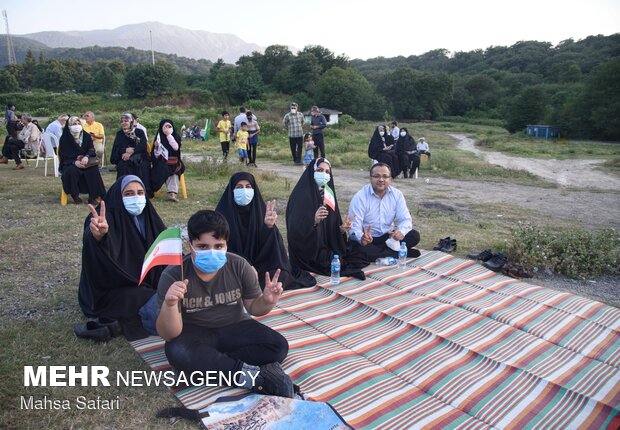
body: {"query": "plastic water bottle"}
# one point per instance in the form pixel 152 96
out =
pixel 334 279
pixel 402 255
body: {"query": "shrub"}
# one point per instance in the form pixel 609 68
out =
pixel 575 253
pixel 268 128
pixel 256 105
pixel 345 120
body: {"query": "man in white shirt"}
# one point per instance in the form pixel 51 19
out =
pixel 395 131
pixel 56 127
pixel 380 218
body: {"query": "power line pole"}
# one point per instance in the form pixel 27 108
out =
pixel 152 52
pixel 9 40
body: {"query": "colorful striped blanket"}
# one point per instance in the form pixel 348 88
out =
pixel 444 343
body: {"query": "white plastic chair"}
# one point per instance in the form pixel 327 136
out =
pixel 48 140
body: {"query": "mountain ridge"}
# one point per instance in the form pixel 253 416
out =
pixel 169 39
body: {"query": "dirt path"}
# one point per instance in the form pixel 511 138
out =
pixel 590 209
pixel 573 173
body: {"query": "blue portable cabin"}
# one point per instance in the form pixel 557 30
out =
pixel 546 131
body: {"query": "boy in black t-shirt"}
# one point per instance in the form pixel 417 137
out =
pixel 210 331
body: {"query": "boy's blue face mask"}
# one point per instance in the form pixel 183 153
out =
pixel 210 260
pixel 134 204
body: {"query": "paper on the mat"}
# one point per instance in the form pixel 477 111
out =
pixel 393 244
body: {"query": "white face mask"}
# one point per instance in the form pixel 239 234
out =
pixel 168 131
pixel 381 133
pixel 243 196
pixel 75 129
pixel 321 178
pixel 293 110
pixel 403 133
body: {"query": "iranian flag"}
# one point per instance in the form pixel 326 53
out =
pixel 167 250
pixel 328 197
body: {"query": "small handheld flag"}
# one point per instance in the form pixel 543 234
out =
pixel 166 250
pixel 328 197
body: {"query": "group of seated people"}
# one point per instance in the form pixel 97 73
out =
pixel 80 161
pixel 236 260
pixel 398 149
pixel 23 138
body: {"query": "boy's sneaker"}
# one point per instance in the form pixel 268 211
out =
pixel 441 243
pixel 274 381
pixel 496 262
pixel 483 256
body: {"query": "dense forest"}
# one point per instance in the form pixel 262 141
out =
pixel 574 85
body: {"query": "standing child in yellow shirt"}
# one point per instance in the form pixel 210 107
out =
pixel 224 127
pixel 242 143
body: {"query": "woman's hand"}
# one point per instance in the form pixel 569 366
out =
pixel 84 161
pixel 270 214
pixel 346 226
pixel 320 214
pixel 98 224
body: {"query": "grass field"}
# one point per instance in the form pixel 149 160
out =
pixel 40 246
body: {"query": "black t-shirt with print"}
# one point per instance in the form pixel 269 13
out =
pixel 219 302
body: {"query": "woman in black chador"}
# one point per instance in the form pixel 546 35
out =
pixel 78 172
pixel 167 164
pixel 129 152
pixel 117 236
pixel 315 232
pixel 254 234
pixel 381 148
pixel 407 153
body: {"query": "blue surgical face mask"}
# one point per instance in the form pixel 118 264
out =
pixel 321 178
pixel 243 196
pixel 134 204
pixel 209 261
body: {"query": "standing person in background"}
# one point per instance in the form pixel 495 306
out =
pixel 293 122
pixel 140 126
pixel 56 126
pixel 317 124
pixel 96 131
pixel 224 128
pixel 242 143
pixel 12 122
pixel 242 117
pixel 253 131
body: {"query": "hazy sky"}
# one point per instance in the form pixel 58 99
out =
pixel 359 29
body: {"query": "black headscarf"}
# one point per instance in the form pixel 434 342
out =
pixel 377 142
pixel 111 267
pixel 161 169
pixel 405 143
pixel 312 248
pixel 69 149
pixel 250 238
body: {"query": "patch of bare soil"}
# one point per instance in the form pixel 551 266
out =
pixel 567 173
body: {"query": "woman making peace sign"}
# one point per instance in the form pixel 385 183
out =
pixel 117 235
pixel 253 231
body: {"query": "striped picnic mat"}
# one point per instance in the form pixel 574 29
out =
pixel 445 343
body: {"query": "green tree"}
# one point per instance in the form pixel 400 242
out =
pixel 483 90
pixel 348 91
pixel 325 57
pixel 52 75
pixel 305 72
pixel 531 106
pixel 145 79
pixel 107 81
pixel 600 103
pixel 8 82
